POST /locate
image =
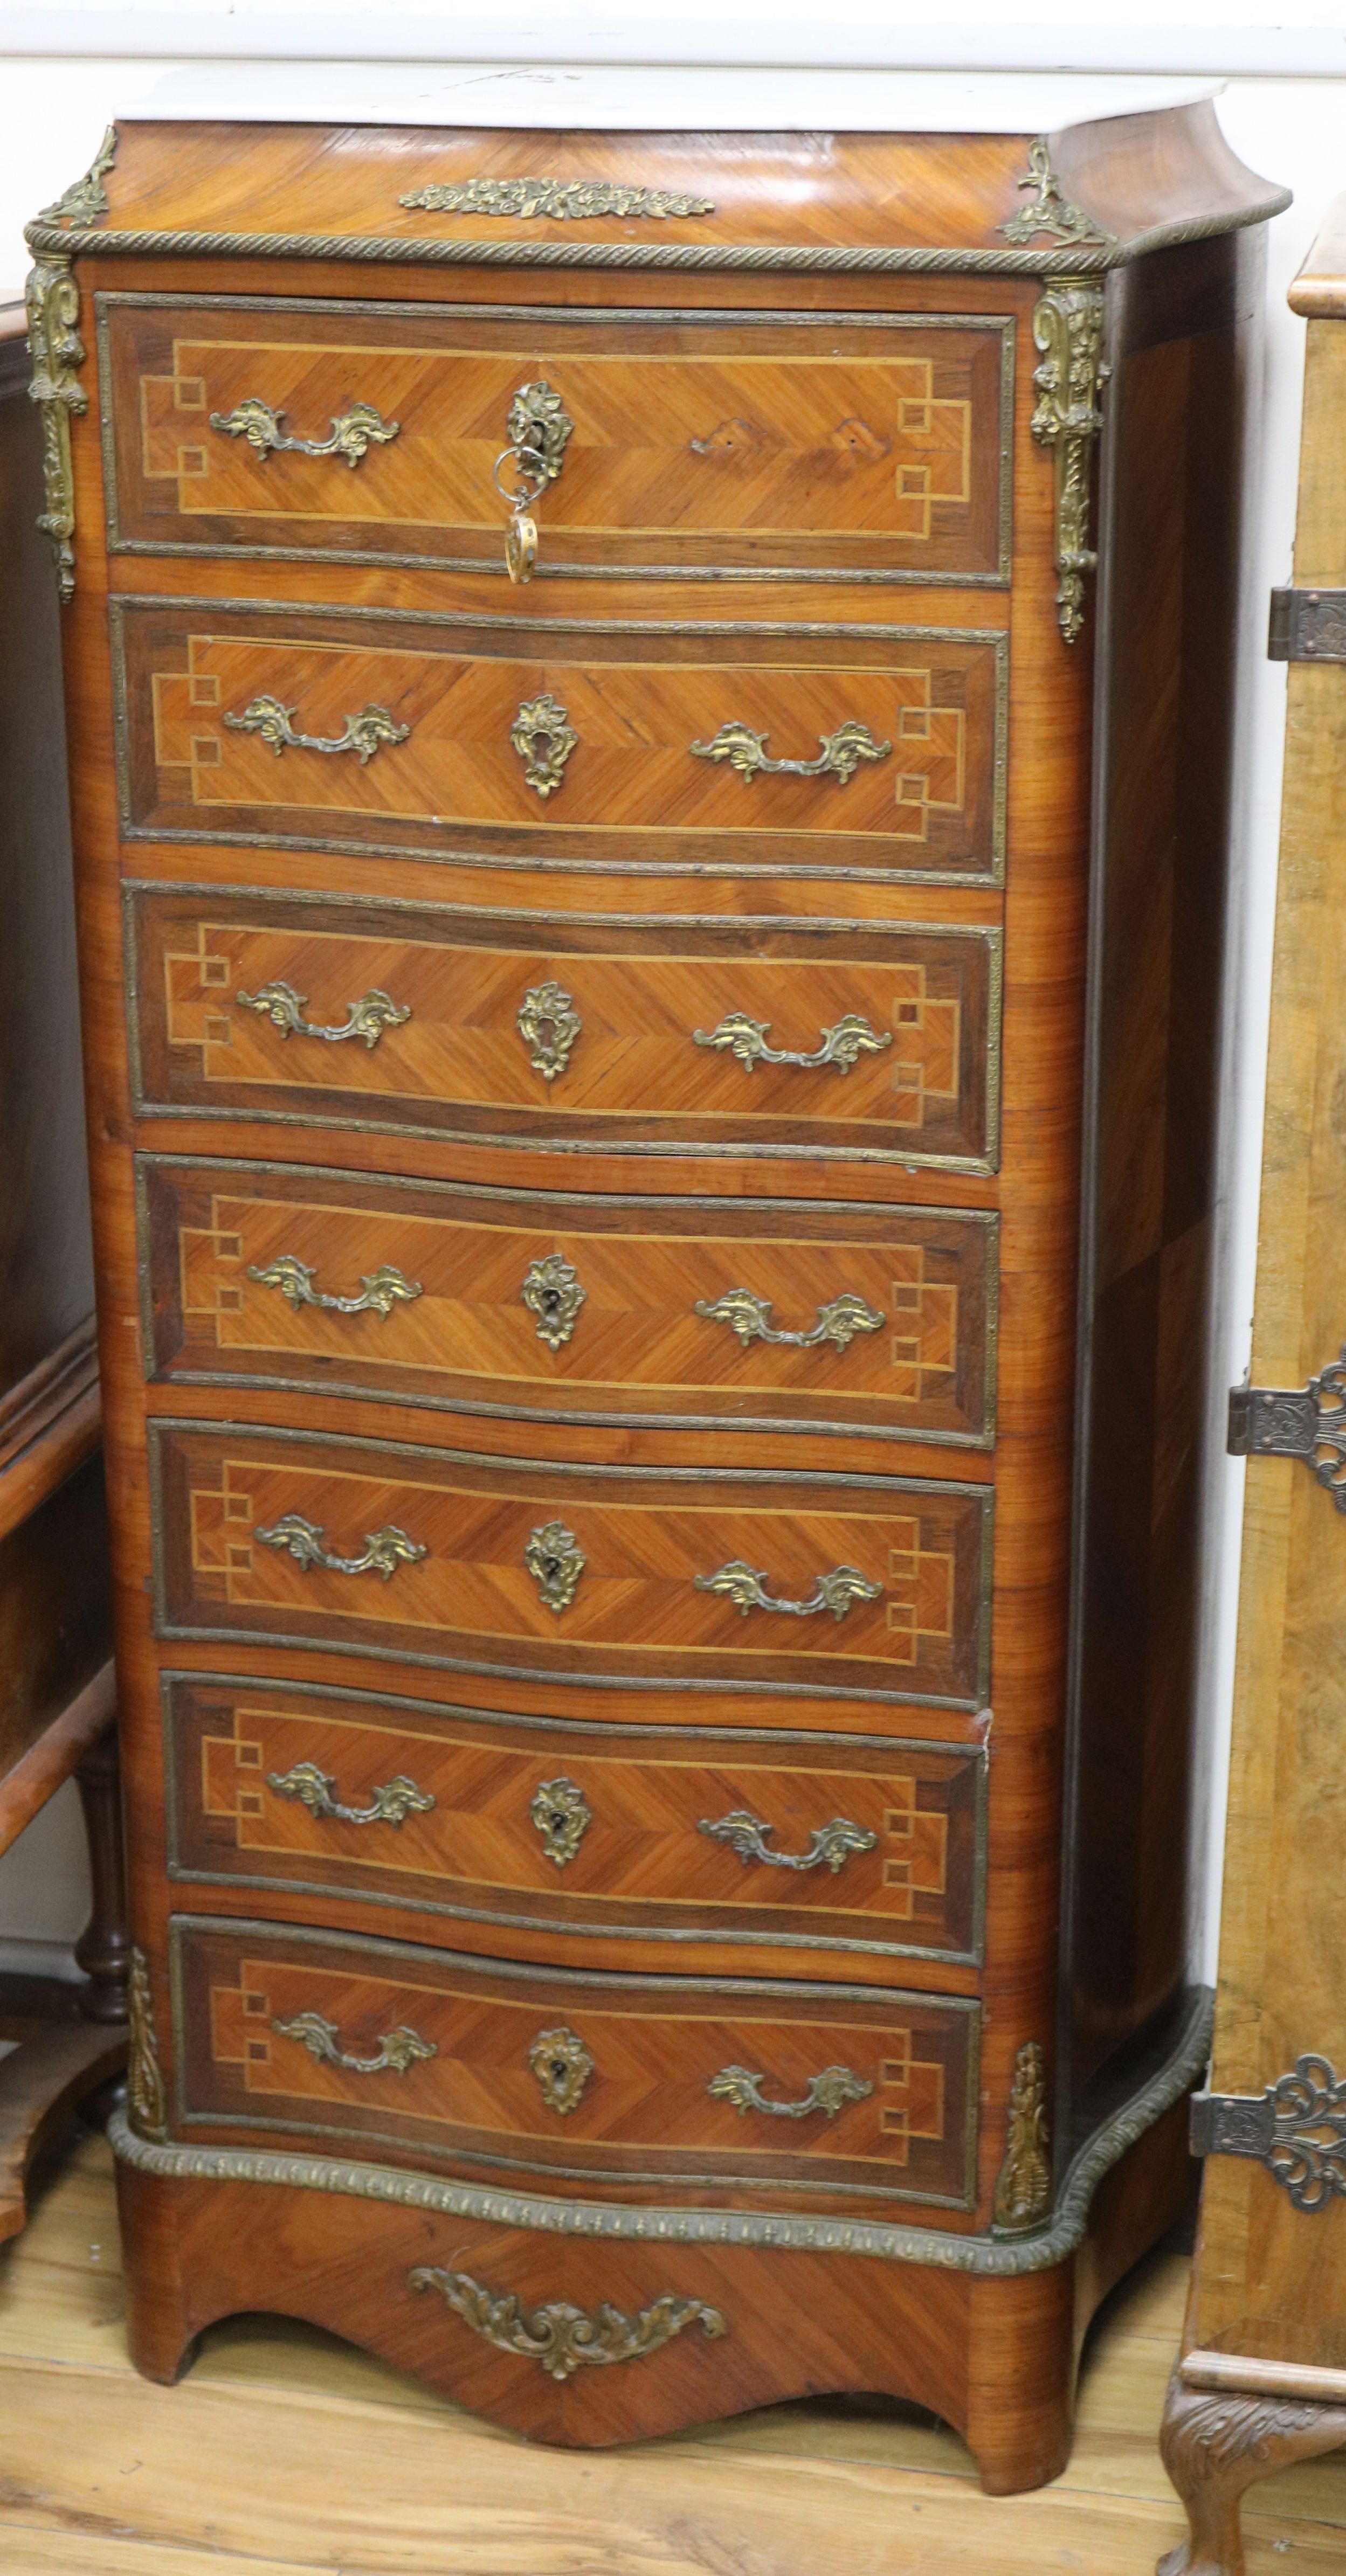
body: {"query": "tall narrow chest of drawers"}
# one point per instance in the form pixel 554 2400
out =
pixel 651 733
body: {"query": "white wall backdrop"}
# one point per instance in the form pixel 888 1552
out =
pixel 66 71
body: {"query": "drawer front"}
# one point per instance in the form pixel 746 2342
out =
pixel 673 1838
pixel 814 443
pixel 865 1041
pixel 876 752
pixel 569 1309
pixel 441 1558
pixel 629 2079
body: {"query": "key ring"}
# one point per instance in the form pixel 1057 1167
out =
pixel 521 533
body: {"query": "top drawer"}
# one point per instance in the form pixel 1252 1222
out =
pixel 701 445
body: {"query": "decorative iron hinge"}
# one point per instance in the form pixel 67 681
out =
pixel 1297 2129
pixel 1285 1422
pixel 1307 626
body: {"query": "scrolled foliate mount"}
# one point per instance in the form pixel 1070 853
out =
pixel 1068 329
pixel 560 2337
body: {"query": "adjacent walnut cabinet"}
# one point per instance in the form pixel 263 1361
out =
pixel 651 741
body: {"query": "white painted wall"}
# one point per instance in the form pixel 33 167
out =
pixel 66 71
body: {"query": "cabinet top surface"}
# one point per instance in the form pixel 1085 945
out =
pixel 1087 198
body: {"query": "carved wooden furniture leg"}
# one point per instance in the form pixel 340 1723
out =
pixel 1217 2444
pixel 103 1949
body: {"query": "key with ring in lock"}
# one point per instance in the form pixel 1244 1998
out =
pixel 538 430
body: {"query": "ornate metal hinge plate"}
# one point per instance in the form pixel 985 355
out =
pixel 1308 1423
pixel 1297 2129
pixel 561 2337
pixel 1068 328
pixel 1307 626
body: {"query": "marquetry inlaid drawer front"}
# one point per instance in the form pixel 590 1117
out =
pixel 770 747
pixel 446 1559
pixel 670 1838
pixel 748 444
pixel 838 2088
pixel 871 1040
pixel 568 1308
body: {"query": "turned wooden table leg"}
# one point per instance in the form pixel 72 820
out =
pixel 103 1950
pixel 1217 2444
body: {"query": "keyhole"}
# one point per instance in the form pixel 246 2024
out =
pixel 551 1299
pixel 551 1567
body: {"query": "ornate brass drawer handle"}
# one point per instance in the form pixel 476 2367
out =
pixel 562 1815
pixel 746 752
pixel 750 1317
pixel 380 1290
pixel 537 429
pixel 284 1008
pixel 316 1790
pixel 549 1024
pixel 553 1295
pixel 544 738
pixel 829 1848
pixel 398 2050
pixel 361 734
pixel 828 2093
pixel 562 2065
pixel 562 2338
pixel 555 1563
pixel 745 1039
pixel 351 435
pixel 385 1549
pixel 836 1591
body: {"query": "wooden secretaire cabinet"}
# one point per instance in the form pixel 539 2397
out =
pixel 651 739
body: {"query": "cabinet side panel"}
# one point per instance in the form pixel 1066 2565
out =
pixel 1182 327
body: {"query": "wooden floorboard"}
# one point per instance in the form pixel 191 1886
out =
pixel 284 2452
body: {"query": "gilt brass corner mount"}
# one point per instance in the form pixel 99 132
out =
pixel 1023 2192
pixel 146 2101
pixel 1068 329
pixel 85 201
pixel 1048 211
pixel 57 353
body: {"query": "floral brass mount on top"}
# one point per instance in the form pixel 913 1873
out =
pixel 828 2092
pixel 745 750
pixel 85 201
pixel 544 739
pixel 1050 212
pixel 555 1563
pixel 316 1790
pixel 553 1295
pixel 1068 328
pixel 384 1550
pixel 566 200
pixel 146 2100
pixel 835 1591
pixel 1023 2192
pixel 1306 1422
pixel 380 1290
pixel 363 734
pixel 562 1815
pixel 397 2052
pixel 562 2065
pixel 351 435
pixel 829 1847
pixel 749 1316
pixel 562 2337
pixel 842 1046
pixel 368 1018
pixel 1296 2128
pixel 538 430
pixel 549 1024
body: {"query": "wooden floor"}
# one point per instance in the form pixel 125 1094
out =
pixel 283 2451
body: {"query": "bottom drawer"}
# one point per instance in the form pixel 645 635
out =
pixel 710 2087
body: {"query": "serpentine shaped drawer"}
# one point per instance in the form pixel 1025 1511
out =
pixel 875 1041
pixel 442 1558
pixel 768 747
pixel 568 1308
pixel 843 2089
pixel 819 442
pixel 673 1840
